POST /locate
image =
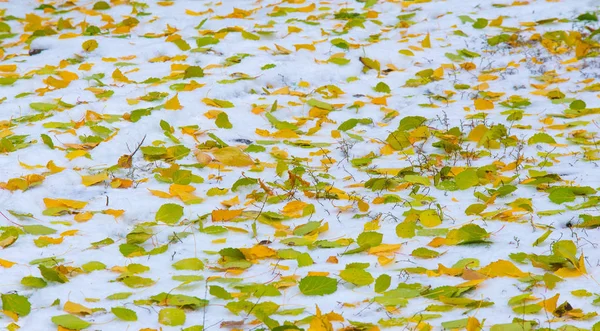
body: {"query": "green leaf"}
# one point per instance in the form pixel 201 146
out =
pixel 358 277
pixel 319 104
pixel 465 19
pixel 521 326
pixel 304 260
pixel 7 80
pixel 38 229
pixel 206 41
pixel 246 181
pixel 541 239
pixel 4 28
pixel 101 5
pixel 341 43
pixel 369 239
pixel 457 324
pixel 192 263
pixel 33 282
pixel 171 316
pixel 93 265
pixel 193 71
pixel 382 88
pixel 220 292
pixel 317 285
pixel 527 309
pixel 417 179
pixel 17 304
pixel 341 61
pixel 137 281
pixel 119 296
pixel 577 105
pixel 424 253
pixel 169 213
pixel 541 138
pixel 307 228
pixel 47 140
pixel 382 283
pixel 222 121
pixel 280 125
pixel 480 23
pixel 52 275
pixel 124 314
pixel 41 106
pixel 466 179
pixel 70 322
pixel 475 209
pixel 250 36
pixel 562 194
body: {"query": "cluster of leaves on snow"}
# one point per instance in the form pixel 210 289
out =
pixel 417 167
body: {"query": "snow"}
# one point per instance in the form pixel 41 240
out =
pixel 301 72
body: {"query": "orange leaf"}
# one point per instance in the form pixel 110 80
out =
pixel 482 104
pixel 224 215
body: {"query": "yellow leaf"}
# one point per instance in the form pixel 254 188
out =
pixel 75 154
pixel 258 252
pixel 94 179
pixel 118 76
pixel 231 202
pixel 75 204
pixel 83 217
pixel 294 208
pixel 430 218
pixel 384 248
pixel 502 268
pixel 6 263
pixel 306 9
pixel 11 314
pixel 8 67
pixel 54 241
pixel 477 133
pixel 482 104
pixel 282 49
pixel 184 193
pixel 160 194
pixel 56 83
pixel 89 45
pixel 426 43
pixel 363 206
pixel 320 322
pixel 69 233
pixel 173 103
pixel 382 101
pixel 53 167
pixel 309 47
pixel 568 273
pixel 293 29
pixel 75 308
pixel 114 212
pixel 550 304
pixel 473 324
pixel 497 21
pixel 224 215
pixel 233 156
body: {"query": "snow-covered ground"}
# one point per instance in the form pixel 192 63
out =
pixel 286 165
